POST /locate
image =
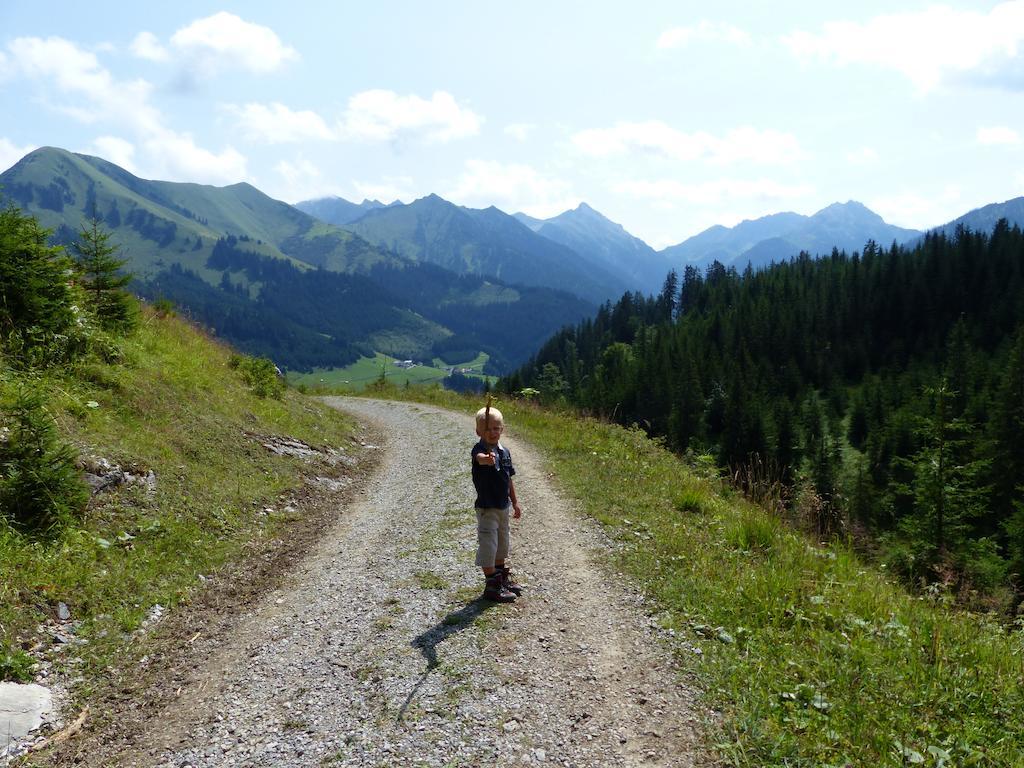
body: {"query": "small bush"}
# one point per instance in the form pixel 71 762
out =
pixel 40 487
pixel 164 308
pixel 260 374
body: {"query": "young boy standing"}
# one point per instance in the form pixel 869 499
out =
pixel 495 496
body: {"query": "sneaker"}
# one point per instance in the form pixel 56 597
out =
pixel 495 590
pixel 508 582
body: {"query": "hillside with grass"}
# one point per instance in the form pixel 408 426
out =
pixel 139 458
pixel 146 469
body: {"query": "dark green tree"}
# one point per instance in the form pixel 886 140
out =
pixel 37 300
pixel 551 384
pixel 104 284
pixel 40 487
pixel 948 491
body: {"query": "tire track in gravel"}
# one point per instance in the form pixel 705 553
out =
pixel 376 650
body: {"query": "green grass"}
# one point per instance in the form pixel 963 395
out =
pixel 174 406
pixel 366 371
pixel 812 656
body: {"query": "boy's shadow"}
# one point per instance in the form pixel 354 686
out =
pixel 426 642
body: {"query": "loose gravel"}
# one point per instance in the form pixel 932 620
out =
pixel 377 651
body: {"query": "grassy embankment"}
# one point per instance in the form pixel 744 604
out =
pixel 176 407
pixel 811 655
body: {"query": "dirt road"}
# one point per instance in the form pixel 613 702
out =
pixel 376 651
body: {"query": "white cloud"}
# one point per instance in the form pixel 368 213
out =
pixel 654 136
pixel 712 192
pixel 380 115
pixel 78 75
pixel 277 124
pixel 709 31
pixel 862 156
pixel 227 41
pixel 520 131
pixel 386 190
pixel 909 208
pixel 10 153
pixel 928 46
pixel 175 156
pixel 75 71
pixel 147 46
pixel 117 150
pixel 999 135
pixel 301 180
pixel 512 187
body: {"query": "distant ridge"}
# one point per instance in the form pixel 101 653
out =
pixel 775 238
pixel 984 219
pixel 339 211
pixel 588 232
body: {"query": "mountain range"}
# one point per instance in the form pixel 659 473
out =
pixel 276 281
pixel 780 236
pixel 339 211
pixel 634 263
pixel 323 282
pixel 984 219
pixel 484 242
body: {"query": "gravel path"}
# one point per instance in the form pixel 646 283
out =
pixel 376 651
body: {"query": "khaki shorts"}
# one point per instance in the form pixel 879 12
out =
pixel 492 535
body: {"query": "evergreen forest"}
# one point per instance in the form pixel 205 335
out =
pixel 876 395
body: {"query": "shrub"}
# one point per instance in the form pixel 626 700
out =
pixel 40 487
pixel 164 308
pixel 260 374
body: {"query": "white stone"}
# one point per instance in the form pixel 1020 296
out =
pixel 23 708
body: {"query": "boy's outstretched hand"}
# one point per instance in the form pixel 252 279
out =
pixel 486 459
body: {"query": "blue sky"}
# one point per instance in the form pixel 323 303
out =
pixel 668 117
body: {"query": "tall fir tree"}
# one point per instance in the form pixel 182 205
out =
pixel 99 265
pixel 37 301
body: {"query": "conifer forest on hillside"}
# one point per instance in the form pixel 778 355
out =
pixel 879 394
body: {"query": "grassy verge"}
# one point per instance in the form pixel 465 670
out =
pixel 811 656
pixel 175 407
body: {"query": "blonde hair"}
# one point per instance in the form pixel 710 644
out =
pixel 490 412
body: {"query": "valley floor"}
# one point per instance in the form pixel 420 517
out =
pixel 376 649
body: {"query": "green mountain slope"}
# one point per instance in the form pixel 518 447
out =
pixel 485 242
pixel 275 281
pixel 160 222
pixel 168 406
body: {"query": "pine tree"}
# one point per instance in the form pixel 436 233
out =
pixel 40 487
pixel 37 311
pixel 104 286
pixel 947 489
pixel 1007 457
